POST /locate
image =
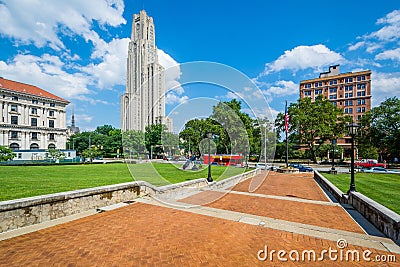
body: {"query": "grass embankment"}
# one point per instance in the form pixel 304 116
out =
pixel 383 188
pixel 26 181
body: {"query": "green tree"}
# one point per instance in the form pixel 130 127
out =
pixel 153 138
pixel 134 143
pixel 6 153
pixel 380 128
pixel 55 154
pixel 313 123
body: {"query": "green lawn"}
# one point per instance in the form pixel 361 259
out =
pixel 383 188
pixel 26 181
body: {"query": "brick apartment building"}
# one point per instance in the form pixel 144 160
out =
pixel 350 91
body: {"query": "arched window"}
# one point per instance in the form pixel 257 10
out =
pixel 34 146
pixel 14 146
pixel 51 146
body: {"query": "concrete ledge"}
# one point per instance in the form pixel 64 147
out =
pixel 336 192
pixel 386 220
pixel 228 182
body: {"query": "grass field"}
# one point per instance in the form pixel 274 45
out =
pixel 26 181
pixel 383 188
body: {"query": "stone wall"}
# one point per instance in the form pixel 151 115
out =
pixel 384 219
pixel 28 211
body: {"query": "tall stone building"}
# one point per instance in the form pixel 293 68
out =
pixel 144 101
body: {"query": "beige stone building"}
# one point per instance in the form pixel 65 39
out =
pixel 31 118
pixel 144 101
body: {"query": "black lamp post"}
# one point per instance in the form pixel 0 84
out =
pixel 333 142
pixel 209 178
pixel 352 129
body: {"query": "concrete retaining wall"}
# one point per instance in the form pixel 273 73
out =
pixel 28 211
pixel 384 219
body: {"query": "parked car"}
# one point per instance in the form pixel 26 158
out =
pixel 379 170
pixel 369 163
pixel 301 167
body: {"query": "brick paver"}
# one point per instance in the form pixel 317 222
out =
pixel 147 235
pixel 150 235
pixel 300 185
pixel 307 213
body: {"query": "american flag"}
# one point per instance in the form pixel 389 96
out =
pixel 286 119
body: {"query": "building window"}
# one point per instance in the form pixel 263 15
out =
pixel 34 146
pixel 348 95
pixel 14 120
pixel 319 91
pixel 34 136
pixel 19 155
pixel 34 111
pixel 307 93
pixel 348 103
pixel 14 108
pixel 14 146
pixel 33 122
pixel 361 102
pixel 14 98
pixel 358 78
pixel 34 101
pixel 52 146
pixel 348 80
pixel 14 135
pixel 51 113
pixel 333 97
pixel 51 123
pixel 52 105
pixel 361 86
pixel 51 136
pixel 333 90
pixel 363 78
pixel 362 93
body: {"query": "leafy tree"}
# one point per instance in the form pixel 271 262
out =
pixel 134 143
pixel 313 123
pixel 6 153
pixel 153 139
pixel 91 153
pixel 380 128
pixel 55 154
pixel 107 139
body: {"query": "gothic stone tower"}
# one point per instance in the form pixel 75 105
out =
pixel 144 101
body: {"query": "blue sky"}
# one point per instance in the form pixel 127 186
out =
pixel 78 49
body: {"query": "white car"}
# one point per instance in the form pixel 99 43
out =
pixel 379 170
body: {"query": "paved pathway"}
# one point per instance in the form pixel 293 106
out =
pixel 235 229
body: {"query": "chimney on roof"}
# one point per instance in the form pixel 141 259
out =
pixel 333 71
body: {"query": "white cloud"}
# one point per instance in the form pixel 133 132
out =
pixel 172 73
pixel 389 54
pixel 389 32
pixel 47 73
pixel 303 57
pixel 384 85
pixel 41 22
pixel 112 69
pixel 172 98
pixel 283 88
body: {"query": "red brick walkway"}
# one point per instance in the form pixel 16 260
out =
pixel 150 235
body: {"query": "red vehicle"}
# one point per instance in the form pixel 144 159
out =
pixel 368 163
pixel 227 160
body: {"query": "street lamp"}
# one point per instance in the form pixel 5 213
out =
pixel 333 142
pixel 352 130
pixel 209 178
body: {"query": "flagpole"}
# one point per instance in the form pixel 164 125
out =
pixel 286 130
